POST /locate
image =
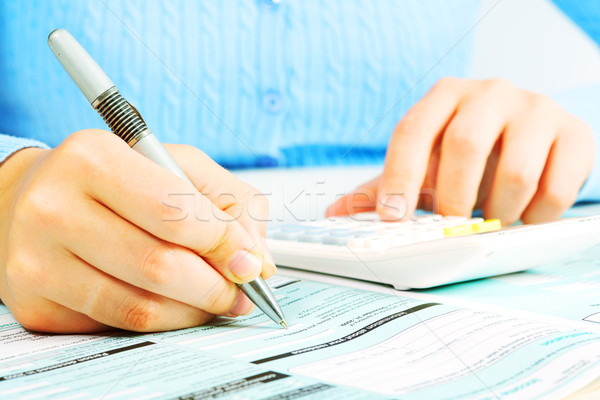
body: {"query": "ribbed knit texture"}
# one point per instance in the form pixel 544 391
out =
pixel 252 83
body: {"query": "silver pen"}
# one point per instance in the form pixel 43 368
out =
pixel 125 121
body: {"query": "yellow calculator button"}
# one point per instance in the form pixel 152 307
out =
pixel 459 230
pixel 488 225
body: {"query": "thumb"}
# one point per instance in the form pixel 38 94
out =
pixel 396 199
pixel 362 199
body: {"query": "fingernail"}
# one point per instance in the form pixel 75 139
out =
pixel 269 268
pixel 242 306
pixel 394 207
pixel 244 266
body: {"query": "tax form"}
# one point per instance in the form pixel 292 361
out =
pixel 567 288
pixel 342 343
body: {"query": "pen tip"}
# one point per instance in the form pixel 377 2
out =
pixel 284 324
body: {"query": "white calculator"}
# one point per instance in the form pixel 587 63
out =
pixel 427 251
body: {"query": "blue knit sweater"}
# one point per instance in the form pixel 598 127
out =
pixel 252 83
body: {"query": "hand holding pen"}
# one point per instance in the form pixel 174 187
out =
pixel 100 236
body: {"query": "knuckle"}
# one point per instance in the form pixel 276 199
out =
pixel 77 144
pixel 542 103
pixel 498 84
pixel 447 83
pixel 410 126
pixel 75 152
pixel 140 315
pixel 582 135
pixel 218 239
pixel 453 205
pixel 174 208
pixel 462 142
pixel 519 178
pixel 159 265
pixel 22 273
pixel 192 152
pixel 36 207
pixel 227 200
pixel 557 197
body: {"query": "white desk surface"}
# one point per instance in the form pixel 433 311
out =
pixel 300 194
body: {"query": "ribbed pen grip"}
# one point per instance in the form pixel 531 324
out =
pixel 121 117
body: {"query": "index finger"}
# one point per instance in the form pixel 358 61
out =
pixel 229 193
pixel 162 204
pixel 410 148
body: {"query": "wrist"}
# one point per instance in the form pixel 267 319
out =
pixel 15 167
pixel 13 172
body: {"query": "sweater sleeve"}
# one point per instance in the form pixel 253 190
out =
pixel 584 103
pixel 11 144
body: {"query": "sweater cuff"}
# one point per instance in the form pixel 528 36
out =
pixel 11 144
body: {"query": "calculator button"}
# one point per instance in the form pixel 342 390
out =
pixel 340 241
pixel 312 237
pixel 338 233
pixel 401 240
pixel 313 228
pixel 321 223
pixel 376 243
pixel 363 233
pixel 368 232
pixel 357 242
pixel 458 230
pixel 291 228
pixel 488 225
pixel 366 216
pixel 286 235
pixel 428 219
pixel 399 230
pixel 428 234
